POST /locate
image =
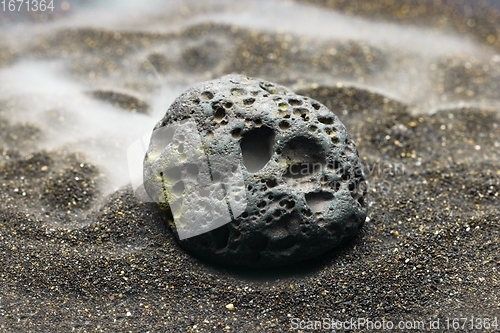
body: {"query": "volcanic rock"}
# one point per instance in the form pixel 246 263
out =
pixel 246 172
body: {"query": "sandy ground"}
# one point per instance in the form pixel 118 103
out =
pixel 74 258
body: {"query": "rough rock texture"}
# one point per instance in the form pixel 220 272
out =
pixel 261 176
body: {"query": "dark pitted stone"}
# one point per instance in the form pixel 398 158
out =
pixel 302 187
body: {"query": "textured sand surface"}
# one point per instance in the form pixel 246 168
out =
pixel 417 87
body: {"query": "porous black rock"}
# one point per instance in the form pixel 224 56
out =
pixel 249 173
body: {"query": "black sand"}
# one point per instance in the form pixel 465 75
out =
pixel 72 259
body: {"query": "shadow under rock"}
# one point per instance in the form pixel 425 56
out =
pixel 299 269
